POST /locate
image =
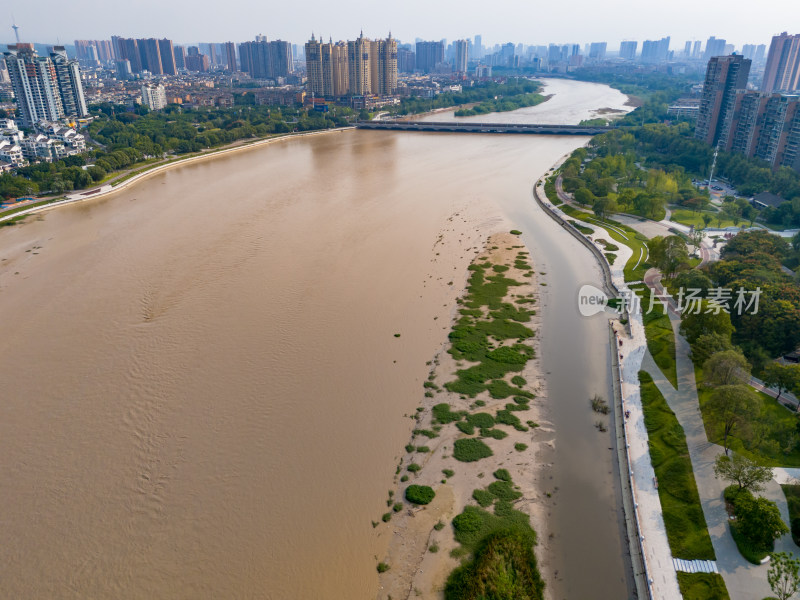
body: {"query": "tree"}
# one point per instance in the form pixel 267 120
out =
pixel 784 575
pixel 732 405
pixel 783 377
pixel 708 344
pixel 728 367
pixel 668 253
pixel 705 321
pixel 584 196
pixel 707 218
pixel 759 520
pixel 742 471
pixel 602 206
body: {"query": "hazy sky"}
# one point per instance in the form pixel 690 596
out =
pixel 498 21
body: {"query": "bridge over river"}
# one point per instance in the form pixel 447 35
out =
pixel 472 127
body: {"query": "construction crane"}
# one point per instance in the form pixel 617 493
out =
pixel 15 27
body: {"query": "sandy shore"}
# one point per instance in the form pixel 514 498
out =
pixel 418 554
pixel 109 189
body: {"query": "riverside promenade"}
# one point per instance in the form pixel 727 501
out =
pixel 654 570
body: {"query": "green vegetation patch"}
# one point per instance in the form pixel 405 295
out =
pixel 503 564
pixel 497 434
pixel 470 450
pixel 661 342
pixel 466 427
pixel 486 320
pixel 481 420
pixel 687 531
pixel 792 493
pixel 483 497
pixel 502 475
pixel 443 414
pixel 702 586
pixel 777 426
pixel 419 494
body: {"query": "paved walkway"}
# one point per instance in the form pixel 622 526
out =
pixel 744 581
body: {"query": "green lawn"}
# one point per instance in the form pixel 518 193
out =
pixel 765 438
pixel 687 217
pixel 660 339
pixel 687 531
pixel 637 265
pixel 792 493
pixel 702 586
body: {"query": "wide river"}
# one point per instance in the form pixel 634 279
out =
pixel 203 396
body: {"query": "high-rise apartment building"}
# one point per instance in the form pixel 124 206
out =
pixel 406 60
pixel 359 71
pixel 627 50
pixel 70 86
pixel 655 51
pixel 154 96
pixel 266 60
pixel 89 51
pixel 461 57
pixel 180 57
pixel 696 49
pixel 230 56
pixel 429 54
pixel 150 55
pixel 195 61
pixel 128 48
pixel 477 48
pixel 714 47
pixel 782 72
pixel 167 53
pixel 356 68
pixel 46 88
pixel 725 76
pixel 767 126
pixel 597 50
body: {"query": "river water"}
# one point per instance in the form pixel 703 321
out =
pixel 203 395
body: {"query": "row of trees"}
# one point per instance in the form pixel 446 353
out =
pixel 124 137
pixel 479 93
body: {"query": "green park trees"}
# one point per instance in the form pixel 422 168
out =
pixel 745 473
pixel 706 321
pixel 732 406
pixel 784 575
pixel 759 520
pixel 783 377
pixel 668 254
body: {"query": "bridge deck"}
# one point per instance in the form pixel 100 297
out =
pixel 472 127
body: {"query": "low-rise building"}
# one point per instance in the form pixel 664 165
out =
pixel 40 147
pixel 10 156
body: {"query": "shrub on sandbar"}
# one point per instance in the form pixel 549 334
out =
pixel 470 450
pixel 419 494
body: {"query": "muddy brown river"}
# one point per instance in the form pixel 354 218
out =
pixel 203 395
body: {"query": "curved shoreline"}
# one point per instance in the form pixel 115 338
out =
pixel 109 189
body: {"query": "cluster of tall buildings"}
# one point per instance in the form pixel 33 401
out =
pixel 763 124
pixel 261 59
pixel 47 88
pixel 356 68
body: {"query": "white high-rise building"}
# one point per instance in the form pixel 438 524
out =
pixel 153 96
pixel 33 79
pixel 461 56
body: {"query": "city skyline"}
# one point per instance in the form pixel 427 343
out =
pixel 530 25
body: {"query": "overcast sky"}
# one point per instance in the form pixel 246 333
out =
pixel 498 21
